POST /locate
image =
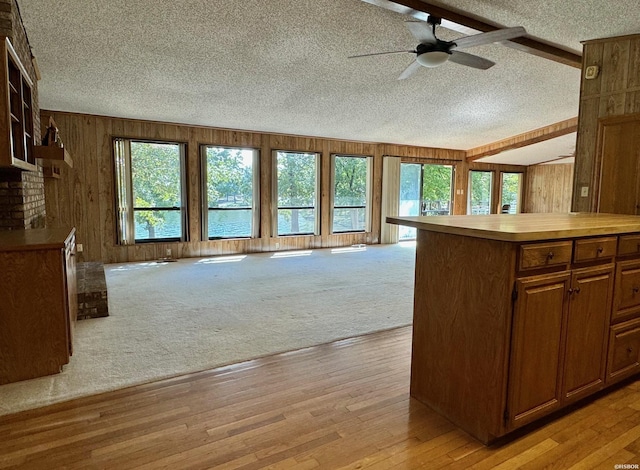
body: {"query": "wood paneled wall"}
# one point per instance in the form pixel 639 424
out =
pixel 548 188
pixel 614 92
pixel 84 195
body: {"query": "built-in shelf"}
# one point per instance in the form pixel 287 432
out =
pixel 16 118
pixel 52 152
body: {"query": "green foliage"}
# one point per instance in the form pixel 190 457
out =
pixel 350 181
pixel 481 191
pixel 155 171
pixel 511 189
pixel 297 181
pixel 436 182
pixel 229 177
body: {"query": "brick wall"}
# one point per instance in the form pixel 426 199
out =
pixel 22 204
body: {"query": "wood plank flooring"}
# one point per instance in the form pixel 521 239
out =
pixel 343 405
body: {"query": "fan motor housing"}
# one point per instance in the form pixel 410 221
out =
pixel 440 46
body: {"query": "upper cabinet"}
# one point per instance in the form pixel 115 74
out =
pixel 16 116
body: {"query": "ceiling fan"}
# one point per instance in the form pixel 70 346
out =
pixel 432 52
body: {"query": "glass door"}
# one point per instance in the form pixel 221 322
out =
pixel 425 189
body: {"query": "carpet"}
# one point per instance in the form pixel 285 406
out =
pixel 172 318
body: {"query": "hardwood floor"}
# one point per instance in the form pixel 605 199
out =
pixel 343 405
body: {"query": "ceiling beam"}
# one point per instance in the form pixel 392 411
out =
pixel 421 9
pixel 522 140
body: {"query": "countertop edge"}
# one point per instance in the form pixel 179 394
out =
pixel 515 236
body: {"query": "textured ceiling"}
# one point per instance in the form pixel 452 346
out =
pixel 281 66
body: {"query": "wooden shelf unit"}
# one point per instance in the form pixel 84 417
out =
pixel 16 123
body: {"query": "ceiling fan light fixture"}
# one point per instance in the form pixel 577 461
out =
pixel 433 58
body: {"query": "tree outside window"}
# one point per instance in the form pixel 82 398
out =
pixel 350 193
pixel 297 181
pixel 229 191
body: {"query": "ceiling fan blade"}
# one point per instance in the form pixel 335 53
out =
pixel 422 31
pixel 470 60
pixel 492 36
pixel 377 53
pixel 413 68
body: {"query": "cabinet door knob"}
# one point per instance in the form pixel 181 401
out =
pixel 600 249
pixel 570 291
pixel 635 290
pixel 629 350
pixel 576 290
pixel 550 255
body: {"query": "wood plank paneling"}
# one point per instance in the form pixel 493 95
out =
pixel 614 92
pixel 549 188
pixel 85 195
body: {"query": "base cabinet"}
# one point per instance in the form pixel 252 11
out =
pixel 38 302
pixel 520 330
pixel 558 344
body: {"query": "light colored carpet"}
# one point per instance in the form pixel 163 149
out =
pixel 195 314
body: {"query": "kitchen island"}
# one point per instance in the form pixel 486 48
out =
pixel 517 316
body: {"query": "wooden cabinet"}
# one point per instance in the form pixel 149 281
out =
pixel 38 302
pixel 558 343
pixel 16 118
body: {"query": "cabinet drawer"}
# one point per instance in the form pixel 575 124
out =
pixel 626 298
pixel 629 245
pixel 590 249
pixel 624 351
pixel 539 255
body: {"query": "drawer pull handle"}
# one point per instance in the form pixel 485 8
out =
pixel 600 249
pixel 550 255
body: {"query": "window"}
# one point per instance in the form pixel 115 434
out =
pixel 425 189
pixel 480 186
pixel 510 193
pixel 231 192
pixel 150 185
pixel 296 187
pixel 350 193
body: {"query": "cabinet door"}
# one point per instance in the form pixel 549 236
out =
pixel 586 327
pixel 624 351
pixel 626 300
pixel 536 346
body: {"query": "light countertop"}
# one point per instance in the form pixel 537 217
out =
pixel 525 227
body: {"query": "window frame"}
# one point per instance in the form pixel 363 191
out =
pixel 274 197
pixel 255 199
pixel 124 204
pixel 367 207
